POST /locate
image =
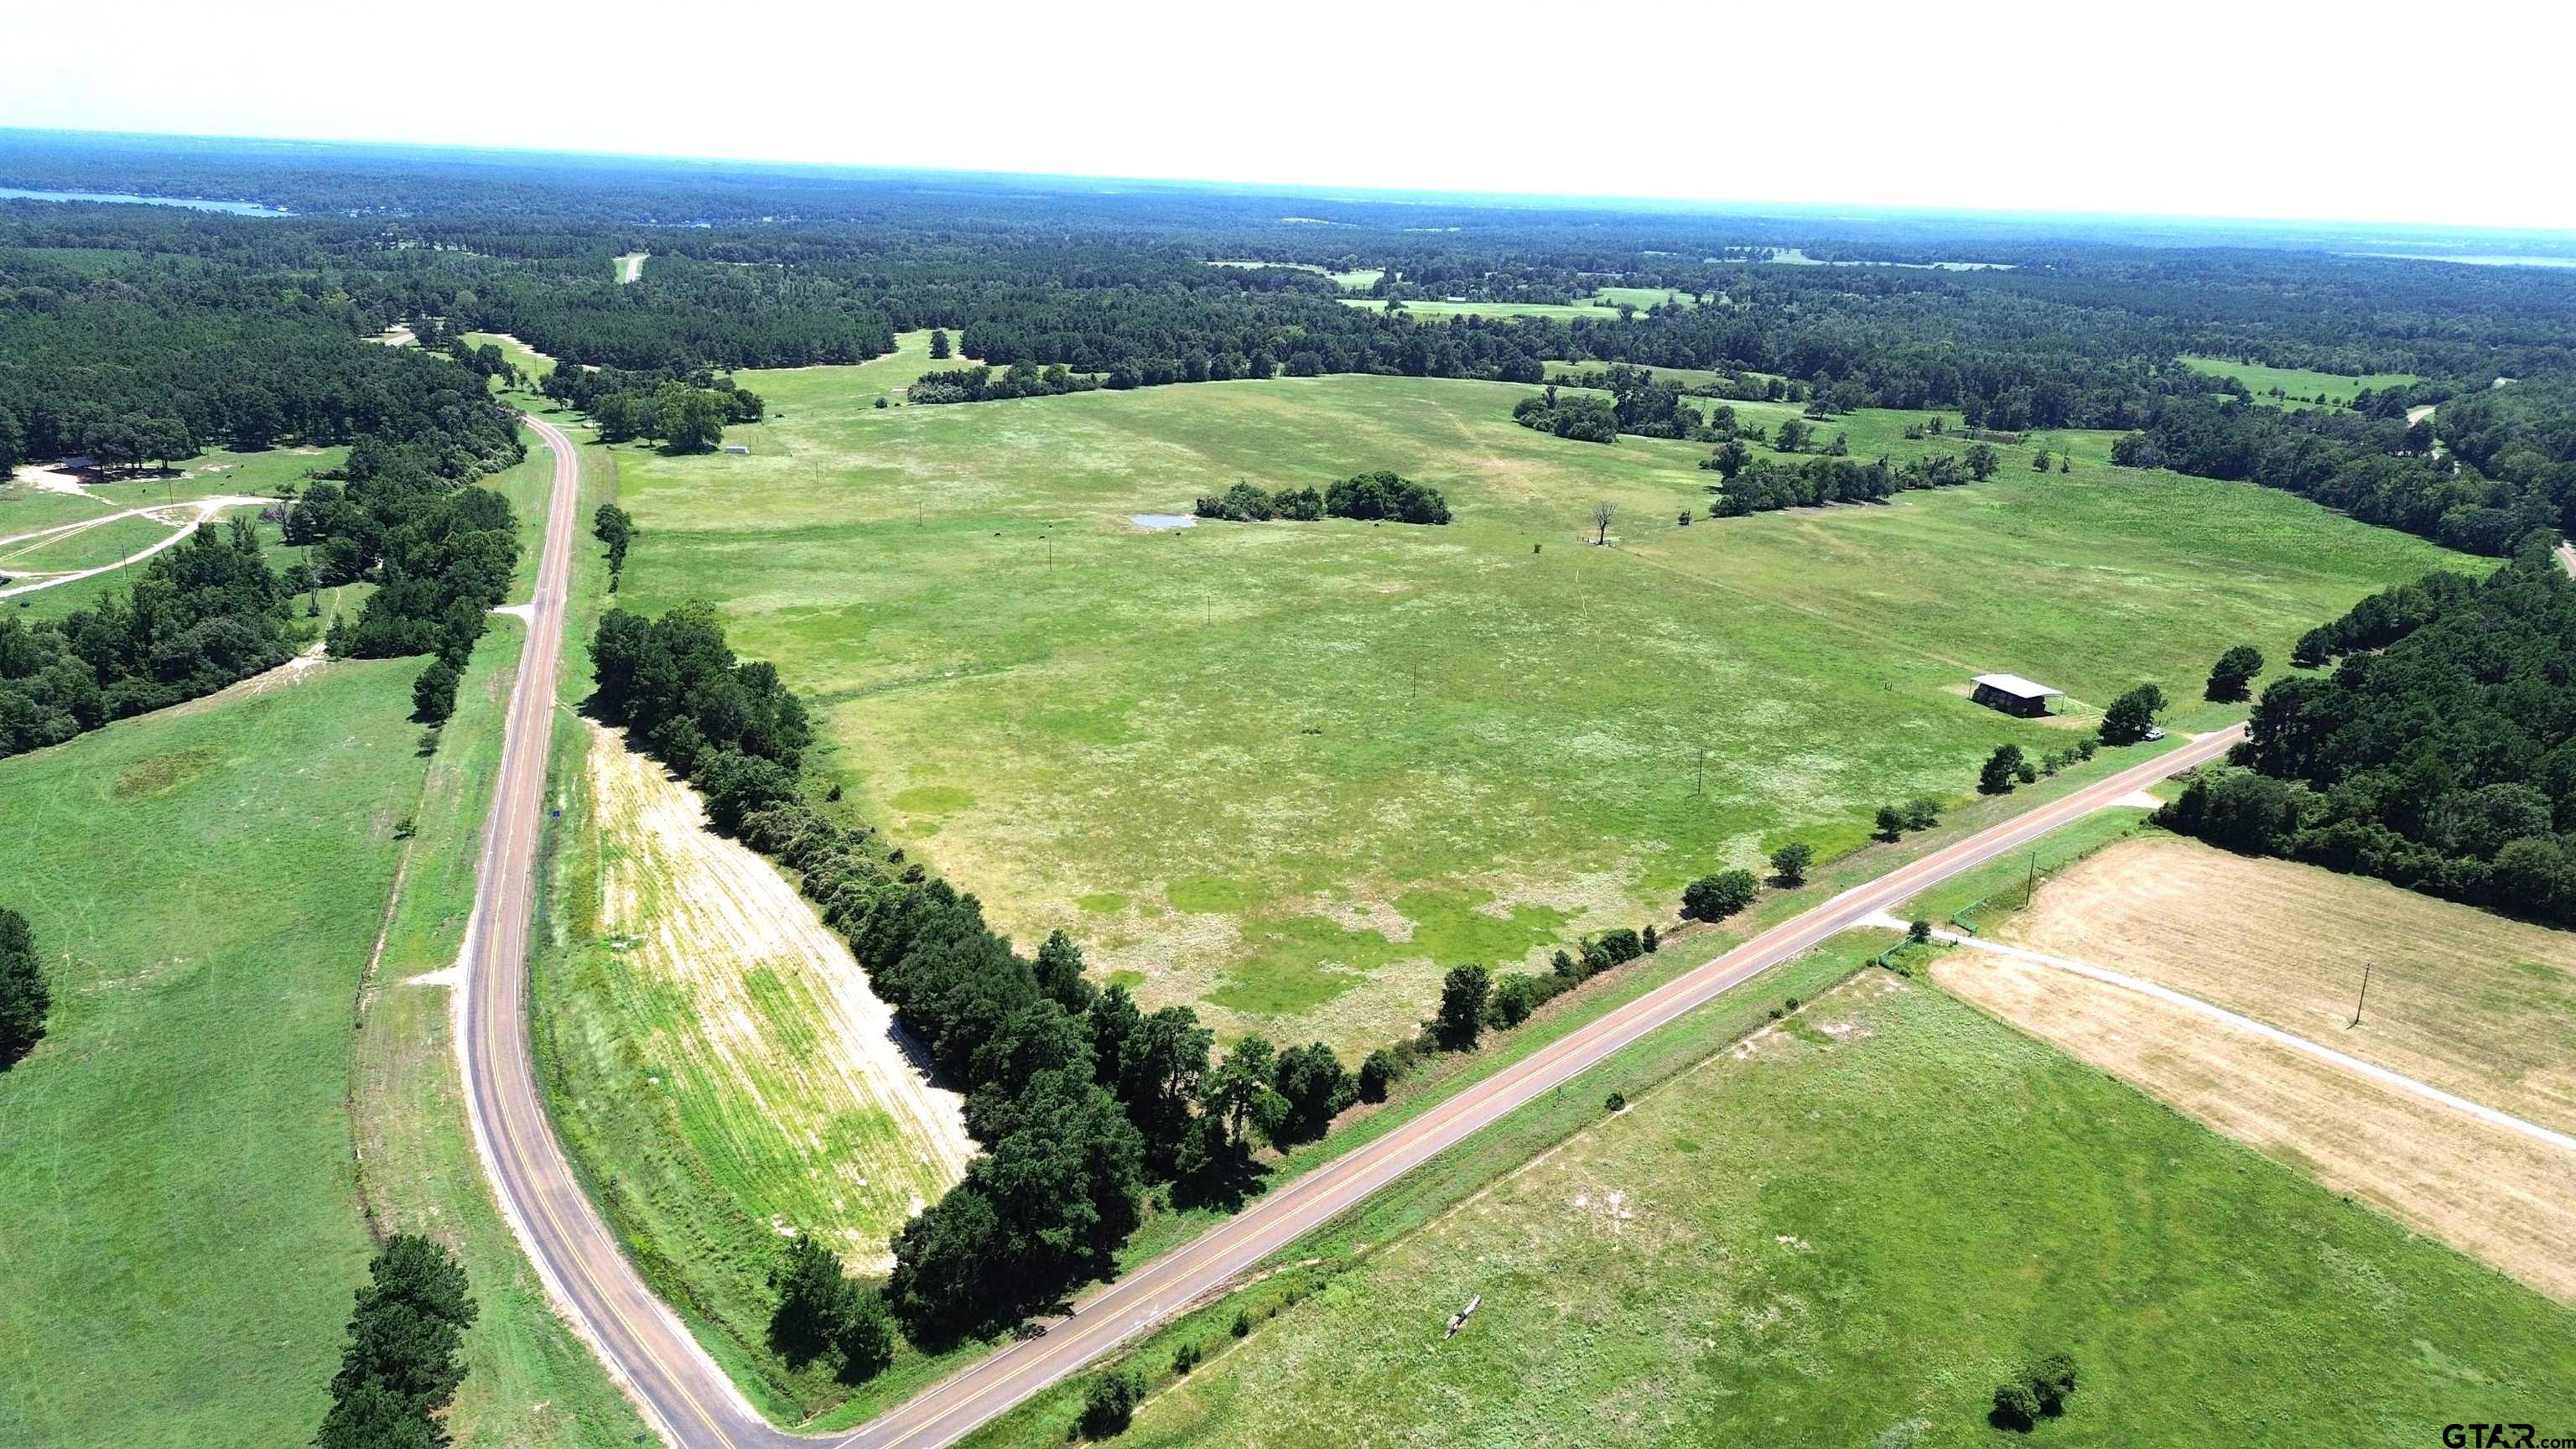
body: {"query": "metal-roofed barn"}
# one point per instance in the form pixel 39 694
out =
pixel 2013 694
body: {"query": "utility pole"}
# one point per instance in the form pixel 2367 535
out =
pixel 1699 786
pixel 2030 887
pixel 2357 1001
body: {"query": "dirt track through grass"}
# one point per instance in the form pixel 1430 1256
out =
pixel 2472 1003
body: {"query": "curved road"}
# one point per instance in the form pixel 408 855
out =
pixel 680 1387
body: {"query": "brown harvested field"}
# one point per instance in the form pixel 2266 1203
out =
pixel 2494 1194
pixel 2469 1002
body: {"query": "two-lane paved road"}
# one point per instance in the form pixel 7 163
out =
pixel 665 1370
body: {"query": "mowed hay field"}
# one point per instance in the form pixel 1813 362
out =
pixel 1289 772
pixel 714 1052
pixel 182 1233
pixel 1845 1231
pixel 2473 1003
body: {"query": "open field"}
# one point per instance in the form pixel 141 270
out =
pixel 1855 1223
pixel 182 1239
pixel 532 364
pixel 717 1052
pixel 2491 1192
pixel 83 546
pixel 2473 1003
pixel 1291 771
pixel 1434 307
pixel 33 499
pixel 1642 298
pixel 2301 384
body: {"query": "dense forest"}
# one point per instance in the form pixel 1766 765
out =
pixel 2440 754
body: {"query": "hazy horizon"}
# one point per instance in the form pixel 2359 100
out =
pixel 2212 112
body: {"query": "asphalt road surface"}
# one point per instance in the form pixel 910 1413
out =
pixel 664 1369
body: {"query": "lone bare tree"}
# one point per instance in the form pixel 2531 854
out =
pixel 1602 513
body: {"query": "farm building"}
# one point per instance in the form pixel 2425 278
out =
pixel 2013 694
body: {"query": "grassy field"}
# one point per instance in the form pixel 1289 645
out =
pixel 2301 384
pixel 1642 298
pixel 182 1239
pixel 1291 771
pixel 1847 1229
pixel 78 548
pixel 533 365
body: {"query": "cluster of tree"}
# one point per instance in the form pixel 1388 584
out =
pixel 1717 896
pixel 685 412
pixel 1920 813
pixel 985 384
pixel 1248 502
pixel 1383 495
pixel 2009 766
pixel 2440 754
pixel 675 683
pixel 614 527
pixel 401 1367
pixel 1760 485
pixel 823 1313
pixel 439 550
pixel 203 614
pixel 24 998
pixel 1367 496
pixel 2038 1392
pixel 2365 466
pixel 1582 417
pixel 2132 717
pixel 1473 1000
pixel 164 356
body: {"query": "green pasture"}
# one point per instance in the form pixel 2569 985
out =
pixel 1847 1230
pixel 1291 771
pixel 2300 383
pixel 204 883
pixel 1433 307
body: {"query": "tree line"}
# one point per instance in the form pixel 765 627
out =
pixel 2440 754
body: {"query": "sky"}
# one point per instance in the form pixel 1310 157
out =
pixel 2434 114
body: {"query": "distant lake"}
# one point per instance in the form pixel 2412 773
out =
pixel 232 208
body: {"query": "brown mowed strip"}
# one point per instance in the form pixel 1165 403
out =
pixel 2470 1002
pixel 2491 1193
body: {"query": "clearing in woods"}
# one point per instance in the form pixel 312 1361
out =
pixel 1290 772
pixel 1778 1237
pixel 716 1053
pixel 2301 384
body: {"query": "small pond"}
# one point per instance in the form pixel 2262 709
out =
pixel 1165 520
